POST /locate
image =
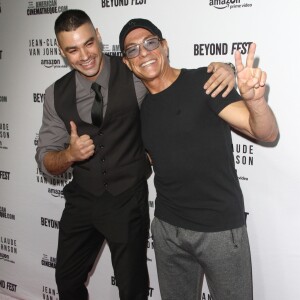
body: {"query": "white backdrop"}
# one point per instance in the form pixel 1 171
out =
pixel 31 205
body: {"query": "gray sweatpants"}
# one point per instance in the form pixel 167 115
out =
pixel 184 256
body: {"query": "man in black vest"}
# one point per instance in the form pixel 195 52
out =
pixel 107 198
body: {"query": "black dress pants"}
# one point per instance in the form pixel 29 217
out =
pixel 123 221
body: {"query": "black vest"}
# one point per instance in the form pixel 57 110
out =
pixel 119 161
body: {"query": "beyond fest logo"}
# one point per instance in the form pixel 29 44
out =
pixel 8 286
pixel 38 97
pixel 54 224
pixel 47 48
pixel 49 293
pixel 45 8
pixel 118 3
pixel 221 48
pixel 231 4
pixel 4 175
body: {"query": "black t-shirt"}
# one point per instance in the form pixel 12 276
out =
pixel 191 148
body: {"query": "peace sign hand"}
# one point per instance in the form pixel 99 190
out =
pixel 251 81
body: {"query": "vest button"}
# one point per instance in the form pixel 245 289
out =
pixel 103 159
pixel 104 172
pixel 101 146
pixel 105 185
pixel 100 133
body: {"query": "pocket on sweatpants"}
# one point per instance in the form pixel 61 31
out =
pixel 237 236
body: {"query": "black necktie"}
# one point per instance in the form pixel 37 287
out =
pixel 97 107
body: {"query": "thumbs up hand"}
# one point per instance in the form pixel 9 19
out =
pixel 81 147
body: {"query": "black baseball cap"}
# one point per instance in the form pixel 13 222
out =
pixel 137 23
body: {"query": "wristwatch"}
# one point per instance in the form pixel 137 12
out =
pixel 232 67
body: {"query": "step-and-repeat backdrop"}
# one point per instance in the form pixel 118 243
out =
pixel 198 32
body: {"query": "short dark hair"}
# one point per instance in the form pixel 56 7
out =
pixel 70 20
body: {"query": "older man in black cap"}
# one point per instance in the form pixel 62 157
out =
pixel 199 225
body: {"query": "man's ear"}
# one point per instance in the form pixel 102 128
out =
pixel 126 62
pixel 59 47
pixel 98 35
pixel 61 51
pixel 99 39
pixel 165 46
